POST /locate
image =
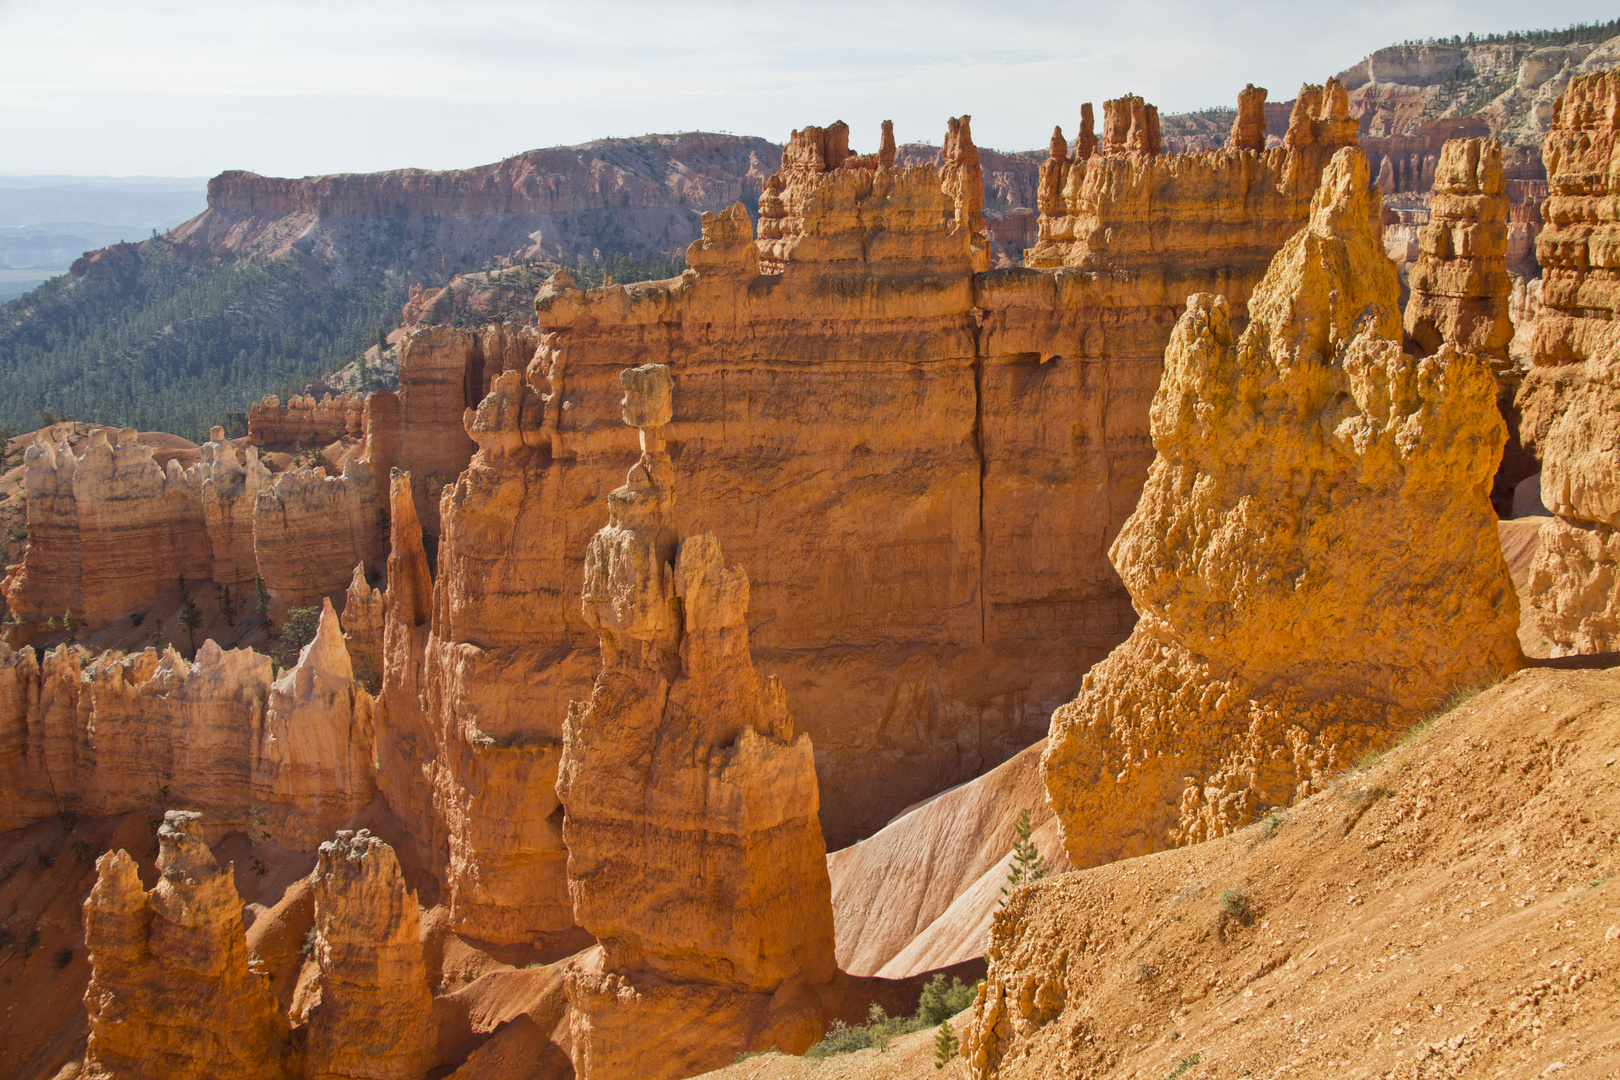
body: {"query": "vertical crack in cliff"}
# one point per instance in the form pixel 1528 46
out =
pixel 978 445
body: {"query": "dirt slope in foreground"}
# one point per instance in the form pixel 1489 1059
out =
pixel 1451 909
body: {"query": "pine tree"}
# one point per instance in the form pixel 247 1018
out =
pixel 946 1045
pixel 261 600
pixel 1027 864
pixel 190 617
pixel 227 606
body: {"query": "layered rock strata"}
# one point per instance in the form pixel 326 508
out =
pixel 171 996
pixel 101 735
pixel 1460 287
pixel 310 530
pixel 1570 401
pixel 690 806
pixel 306 420
pixel 847 365
pixel 1314 557
pixel 110 531
pixel 375 1017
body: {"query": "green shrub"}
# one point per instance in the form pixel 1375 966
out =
pixel 295 633
pixel 937 1004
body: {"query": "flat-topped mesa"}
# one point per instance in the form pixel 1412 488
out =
pixel 170 995
pixel 1570 400
pixel 1317 497
pixel 375 1017
pixel 1130 209
pixel 690 807
pixel 849 215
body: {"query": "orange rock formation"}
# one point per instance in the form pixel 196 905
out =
pixel 310 530
pixel 1460 287
pixel 1460 282
pixel 107 734
pixel 1318 497
pixel 375 1017
pixel 307 421
pixel 171 996
pixel 690 806
pixel 1570 408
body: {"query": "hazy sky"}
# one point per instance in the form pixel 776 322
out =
pixel 293 87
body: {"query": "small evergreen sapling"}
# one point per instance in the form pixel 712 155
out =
pixel 190 616
pixel 1028 865
pixel 946 1045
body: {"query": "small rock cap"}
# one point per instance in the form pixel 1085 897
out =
pixel 648 395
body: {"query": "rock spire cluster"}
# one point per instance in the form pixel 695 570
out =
pixel 171 996
pixel 1314 558
pixel 690 806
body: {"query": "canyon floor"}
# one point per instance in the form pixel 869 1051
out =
pixel 1449 908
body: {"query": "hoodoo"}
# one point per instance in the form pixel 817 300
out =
pixel 694 852
pixel 1571 397
pixel 171 996
pixel 1314 558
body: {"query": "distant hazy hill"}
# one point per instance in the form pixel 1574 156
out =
pixel 48 221
pixel 279 280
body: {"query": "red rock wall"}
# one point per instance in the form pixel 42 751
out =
pixel 305 421
pixel 928 493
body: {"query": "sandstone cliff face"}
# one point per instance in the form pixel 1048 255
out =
pixel 313 764
pixel 690 807
pixel 960 583
pixel 111 532
pixel 170 993
pixel 375 1017
pixel 228 490
pixel 307 421
pixel 1460 287
pixel 1318 499
pixel 1166 216
pixel 310 530
pixel 114 531
pixel 109 734
pixel 645 193
pixel 1570 414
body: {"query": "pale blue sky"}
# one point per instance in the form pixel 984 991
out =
pixel 292 87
